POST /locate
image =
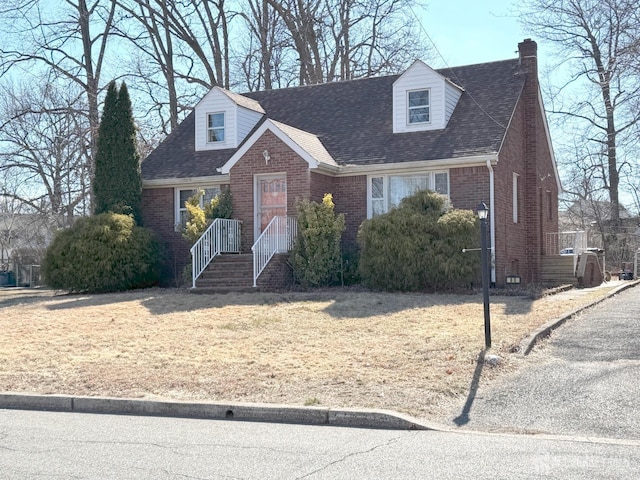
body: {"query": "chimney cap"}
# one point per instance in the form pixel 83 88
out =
pixel 528 48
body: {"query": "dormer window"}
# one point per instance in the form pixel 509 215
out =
pixel 215 127
pixel 418 107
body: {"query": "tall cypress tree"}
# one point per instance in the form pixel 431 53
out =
pixel 117 184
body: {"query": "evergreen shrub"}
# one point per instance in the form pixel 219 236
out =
pixel 350 272
pixel 117 183
pixel 418 246
pixel 199 218
pixel 316 256
pixel 102 253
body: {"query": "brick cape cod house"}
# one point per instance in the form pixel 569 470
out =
pixel 475 133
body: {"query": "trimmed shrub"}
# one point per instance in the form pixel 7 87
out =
pixel 418 246
pixel 103 253
pixel 316 252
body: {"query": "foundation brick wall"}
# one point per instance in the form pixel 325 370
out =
pixel 277 275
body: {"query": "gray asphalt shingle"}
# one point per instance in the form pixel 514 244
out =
pixel 353 120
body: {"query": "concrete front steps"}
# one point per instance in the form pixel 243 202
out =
pixel 558 270
pixel 234 273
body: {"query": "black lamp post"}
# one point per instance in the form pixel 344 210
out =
pixel 483 211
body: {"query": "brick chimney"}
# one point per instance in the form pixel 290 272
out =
pixel 528 51
pixel 528 54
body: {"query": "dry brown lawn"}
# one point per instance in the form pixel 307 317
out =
pixel 414 353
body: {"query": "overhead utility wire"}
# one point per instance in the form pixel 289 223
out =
pixel 451 70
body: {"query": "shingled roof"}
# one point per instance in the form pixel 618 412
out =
pixel 353 120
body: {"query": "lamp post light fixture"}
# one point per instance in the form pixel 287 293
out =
pixel 483 212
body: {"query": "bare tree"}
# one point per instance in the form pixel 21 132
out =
pixel 156 52
pixel 598 42
pixel 261 62
pixel 24 233
pixel 67 43
pixel 332 40
pixel 186 41
pixel 43 147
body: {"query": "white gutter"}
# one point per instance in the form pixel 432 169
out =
pixel 344 170
pixel 492 217
pixel 375 169
pixel 187 181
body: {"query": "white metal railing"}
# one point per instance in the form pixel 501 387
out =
pixel 222 236
pixel 277 237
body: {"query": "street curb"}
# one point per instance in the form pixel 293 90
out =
pixel 248 412
pixel 543 332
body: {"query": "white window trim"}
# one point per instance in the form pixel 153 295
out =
pixel 515 197
pixel 385 185
pixel 224 128
pixel 428 105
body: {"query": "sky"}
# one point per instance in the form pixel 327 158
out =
pixel 477 31
pixel 472 31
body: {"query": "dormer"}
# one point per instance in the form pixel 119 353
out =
pixel 224 119
pixel 423 99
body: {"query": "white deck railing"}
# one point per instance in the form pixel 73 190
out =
pixel 222 236
pixel 278 237
pixel 557 242
pixel 566 243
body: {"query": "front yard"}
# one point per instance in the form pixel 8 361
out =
pixel 413 353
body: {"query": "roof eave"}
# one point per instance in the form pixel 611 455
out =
pixel 441 163
pixel 186 181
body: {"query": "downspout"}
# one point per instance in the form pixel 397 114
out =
pixel 492 223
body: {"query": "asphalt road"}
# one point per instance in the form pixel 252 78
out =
pixel 57 445
pixel 585 380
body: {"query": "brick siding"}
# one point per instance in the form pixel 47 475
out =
pixel 242 180
pixel 350 197
pixel 158 214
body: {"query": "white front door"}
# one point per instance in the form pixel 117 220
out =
pixel 271 199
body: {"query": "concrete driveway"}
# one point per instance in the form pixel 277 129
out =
pixel 585 380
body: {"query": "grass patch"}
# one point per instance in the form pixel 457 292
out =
pixel 408 352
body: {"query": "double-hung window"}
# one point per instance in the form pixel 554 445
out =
pixel 182 195
pixel 387 191
pixel 418 106
pixel 215 127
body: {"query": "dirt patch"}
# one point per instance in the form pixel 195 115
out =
pixel 414 353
